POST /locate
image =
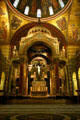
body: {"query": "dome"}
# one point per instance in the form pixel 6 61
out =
pixel 43 9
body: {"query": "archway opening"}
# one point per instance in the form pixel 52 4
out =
pixel 39 57
pixel 39 62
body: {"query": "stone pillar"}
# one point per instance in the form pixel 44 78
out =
pixel 57 77
pixel 21 78
pixel 67 81
pixel 52 82
pixel 14 82
pixel 25 80
pixel 24 76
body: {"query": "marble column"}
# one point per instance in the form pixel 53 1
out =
pixel 57 77
pixel 25 80
pixel 67 82
pixel 14 82
pixel 21 78
pixel 52 82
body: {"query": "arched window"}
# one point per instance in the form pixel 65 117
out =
pixel 2 81
pixel 51 12
pixel 15 4
pixel 75 87
pixel 61 3
pixel 79 75
pixel 38 13
pixel 26 11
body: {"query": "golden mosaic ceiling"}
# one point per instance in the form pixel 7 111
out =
pixel 44 9
pixel 68 23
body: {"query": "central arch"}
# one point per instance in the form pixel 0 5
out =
pixel 39 35
pixel 39 55
pixel 23 31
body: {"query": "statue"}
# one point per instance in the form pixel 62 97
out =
pixel 38 69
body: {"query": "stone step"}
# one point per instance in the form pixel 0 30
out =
pixel 48 109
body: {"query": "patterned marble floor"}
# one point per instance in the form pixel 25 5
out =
pixel 41 117
pixel 40 112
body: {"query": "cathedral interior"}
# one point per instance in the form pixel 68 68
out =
pixel 39 50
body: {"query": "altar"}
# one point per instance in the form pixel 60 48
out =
pixel 39 88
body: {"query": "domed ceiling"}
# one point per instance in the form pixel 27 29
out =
pixel 43 9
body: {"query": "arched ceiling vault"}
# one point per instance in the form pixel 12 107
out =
pixel 22 32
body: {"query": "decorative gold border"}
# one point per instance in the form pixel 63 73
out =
pixel 36 19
